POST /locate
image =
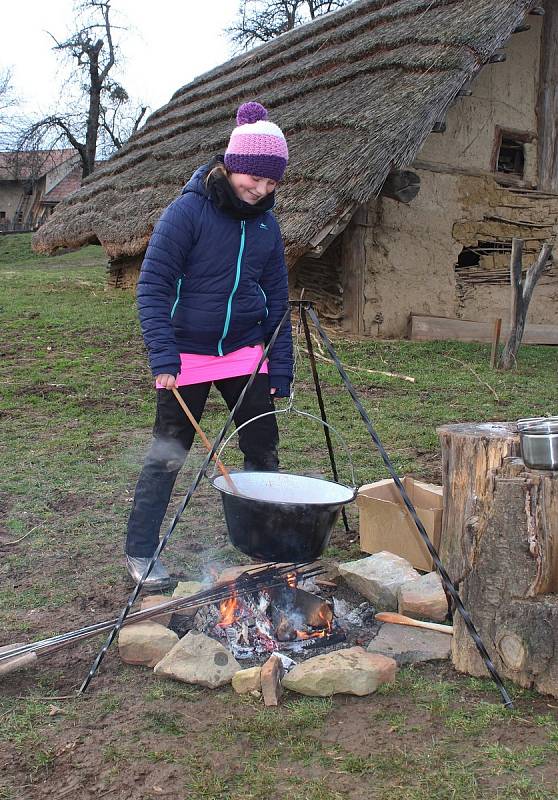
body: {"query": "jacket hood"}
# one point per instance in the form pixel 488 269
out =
pixel 196 183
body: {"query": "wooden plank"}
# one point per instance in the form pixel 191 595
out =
pixel 427 329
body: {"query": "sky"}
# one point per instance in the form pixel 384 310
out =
pixel 168 43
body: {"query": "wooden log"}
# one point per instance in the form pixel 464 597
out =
pixel 500 546
pixel 402 185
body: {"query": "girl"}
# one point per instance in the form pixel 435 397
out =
pixel 212 289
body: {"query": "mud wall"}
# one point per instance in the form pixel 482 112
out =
pixel 448 252
pixel 505 96
pixel 412 252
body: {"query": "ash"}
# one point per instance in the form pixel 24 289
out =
pixel 251 637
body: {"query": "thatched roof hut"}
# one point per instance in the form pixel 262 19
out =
pixel 356 92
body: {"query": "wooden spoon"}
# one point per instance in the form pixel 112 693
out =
pixel 222 468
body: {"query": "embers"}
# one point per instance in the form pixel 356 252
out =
pixel 279 618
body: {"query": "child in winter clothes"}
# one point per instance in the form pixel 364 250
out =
pixel 212 289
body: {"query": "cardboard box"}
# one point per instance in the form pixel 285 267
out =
pixel 385 523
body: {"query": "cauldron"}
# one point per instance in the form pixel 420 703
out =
pixel 280 516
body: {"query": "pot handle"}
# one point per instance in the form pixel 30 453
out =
pixel 285 411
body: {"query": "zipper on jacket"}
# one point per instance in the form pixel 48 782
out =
pixel 178 285
pixel 235 287
pixel 265 300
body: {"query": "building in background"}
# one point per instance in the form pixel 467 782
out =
pixel 32 183
pixel 422 137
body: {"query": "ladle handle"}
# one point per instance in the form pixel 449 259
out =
pixel 222 468
pixel 401 619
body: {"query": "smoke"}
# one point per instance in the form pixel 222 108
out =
pixel 166 454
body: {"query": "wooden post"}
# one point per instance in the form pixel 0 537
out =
pixel 522 291
pixel 499 543
pixel 495 341
pixel 547 105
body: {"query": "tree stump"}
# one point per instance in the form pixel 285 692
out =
pixel 499 545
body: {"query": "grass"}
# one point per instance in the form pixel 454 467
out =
pixel 76 411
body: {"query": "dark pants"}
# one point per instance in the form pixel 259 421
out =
pixel 173 436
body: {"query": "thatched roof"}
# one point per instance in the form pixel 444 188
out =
pixel 356 93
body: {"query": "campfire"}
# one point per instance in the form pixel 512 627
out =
pixel 284 617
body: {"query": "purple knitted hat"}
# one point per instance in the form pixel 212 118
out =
pixel 256 147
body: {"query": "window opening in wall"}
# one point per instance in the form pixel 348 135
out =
pixel 2 215
pixel 511 156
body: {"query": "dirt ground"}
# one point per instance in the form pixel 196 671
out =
pixel 432 734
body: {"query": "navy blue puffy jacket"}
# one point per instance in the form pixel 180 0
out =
pixel 210 284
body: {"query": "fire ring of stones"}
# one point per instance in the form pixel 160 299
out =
pixel 314 636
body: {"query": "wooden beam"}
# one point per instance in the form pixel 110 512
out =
pixel 427 329
pixel 547 104
pixel 321 240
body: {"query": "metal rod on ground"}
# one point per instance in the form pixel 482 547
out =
pixel 251 581
pixel 220 466
pixel 194 485
pixel 323 415
pixel 412 511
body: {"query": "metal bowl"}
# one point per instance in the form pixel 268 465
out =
pixel 538 424
pixel 280 516
pixel 539 446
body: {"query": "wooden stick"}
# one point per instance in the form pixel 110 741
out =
pixel 495 341
pixel 364 369
pixel 18 662
pixel 399 619
pixel 220 466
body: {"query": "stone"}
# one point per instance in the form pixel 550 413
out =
pixel 151 600
pixel 185 589
pixel 145 643
pixel 410 645
pixel 198 659
pixel 246 681
pixel 232 573
pixel 351 671
pixel 379 577
pixel 423 598
pixel 271 673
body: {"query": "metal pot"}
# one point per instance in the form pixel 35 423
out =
pixel 279 516
pixel 538 439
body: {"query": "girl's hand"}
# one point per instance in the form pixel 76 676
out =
pixel 166 381
pixel 272 391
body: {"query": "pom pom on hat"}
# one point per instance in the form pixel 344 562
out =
pixel 257 146
pixel 250 112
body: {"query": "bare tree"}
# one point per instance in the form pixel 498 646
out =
pixel 261 20
pixel 8 101
pixel 521 293
pixel 97 121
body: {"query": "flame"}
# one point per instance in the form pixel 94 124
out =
pixel 230 611
pixel 292 580
pixel 320 634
